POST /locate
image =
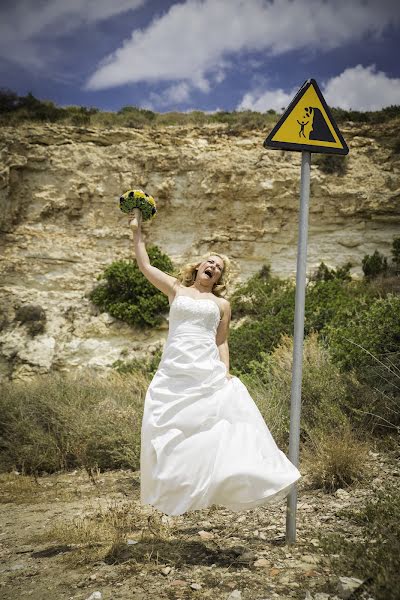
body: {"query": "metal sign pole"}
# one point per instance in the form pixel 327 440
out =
pixel 295 405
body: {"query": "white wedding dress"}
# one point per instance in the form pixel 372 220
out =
pixel 203 439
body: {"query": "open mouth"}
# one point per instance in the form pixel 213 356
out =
pixel 209 273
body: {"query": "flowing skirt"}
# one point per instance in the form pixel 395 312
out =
pixel 203 439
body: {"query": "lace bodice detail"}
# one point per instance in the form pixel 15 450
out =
pixel 198 312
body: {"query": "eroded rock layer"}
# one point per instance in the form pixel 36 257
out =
pixel 216 189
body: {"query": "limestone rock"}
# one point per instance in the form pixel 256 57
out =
pixel 60 223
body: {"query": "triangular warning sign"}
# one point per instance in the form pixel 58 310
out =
pixel 307 125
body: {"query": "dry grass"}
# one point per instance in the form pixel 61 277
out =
pixel 94 534
pixel 323 393
pixel 59 422
pixel 109 532
pixel 335 459
pixel 18 488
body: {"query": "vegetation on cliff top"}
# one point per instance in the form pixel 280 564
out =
pixel 16 109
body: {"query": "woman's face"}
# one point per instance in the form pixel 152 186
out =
pixel 211 270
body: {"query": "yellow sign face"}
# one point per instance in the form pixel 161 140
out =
pixel 307 125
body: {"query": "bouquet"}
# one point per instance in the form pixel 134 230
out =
pixel 133 201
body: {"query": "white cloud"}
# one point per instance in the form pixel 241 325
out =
pixel 362 88
pixel 357 88
pixel 262 101
pixel 174 94
pixel 26 22
pixel 193 39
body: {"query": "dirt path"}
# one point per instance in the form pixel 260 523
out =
pixel 66 539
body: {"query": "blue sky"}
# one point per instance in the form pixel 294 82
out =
pixel 201 54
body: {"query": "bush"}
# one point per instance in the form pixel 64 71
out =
pixel 376 330
pixel 369 344
pixel 267 306
pixel 334 301
pixel 132 116
pixel 324 273
pixel 396 253
pixel 368 116
pixel 16 109
pixel 336 460
pixel 128 295
pixel 33 316
pixel 359 328
pixel 324 389
pixel 374 265
pixel 9 101
pixel 248 341
pixel 58 422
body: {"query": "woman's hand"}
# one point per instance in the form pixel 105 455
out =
pixel 135 220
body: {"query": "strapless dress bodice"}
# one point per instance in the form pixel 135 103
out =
pixel 194 314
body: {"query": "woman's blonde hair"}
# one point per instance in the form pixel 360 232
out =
pixel 187 274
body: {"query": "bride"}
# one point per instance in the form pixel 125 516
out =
pixel 203 439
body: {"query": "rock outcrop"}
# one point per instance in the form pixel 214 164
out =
pixel 216 189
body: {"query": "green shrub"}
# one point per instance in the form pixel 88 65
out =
pixel 368 116
pixel 15 109
pixel 9 101
pixel 128 295
pixel 369 344
pixel 324 273
pixel 132 116
pixel 79 115
pixel 357 326
pixel 396 253
pixel 267 306
pixel 334 301
pixel 376 330
pixel 42 110
pixel 374 265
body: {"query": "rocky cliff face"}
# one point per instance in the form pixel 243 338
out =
pixel 216 190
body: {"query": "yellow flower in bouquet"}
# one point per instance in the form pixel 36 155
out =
pixel 138 199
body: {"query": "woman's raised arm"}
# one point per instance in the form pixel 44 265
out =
pixel 162 281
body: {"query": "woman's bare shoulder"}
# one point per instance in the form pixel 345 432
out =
pixel 224 305
pixel 224 301
pixel 178 286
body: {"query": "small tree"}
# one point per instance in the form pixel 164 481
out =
pixel 128 295
pixel 374 265
pixel 324 273
pixel 396 253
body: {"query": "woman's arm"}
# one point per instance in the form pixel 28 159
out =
pixel 222 336
pixel 162 281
